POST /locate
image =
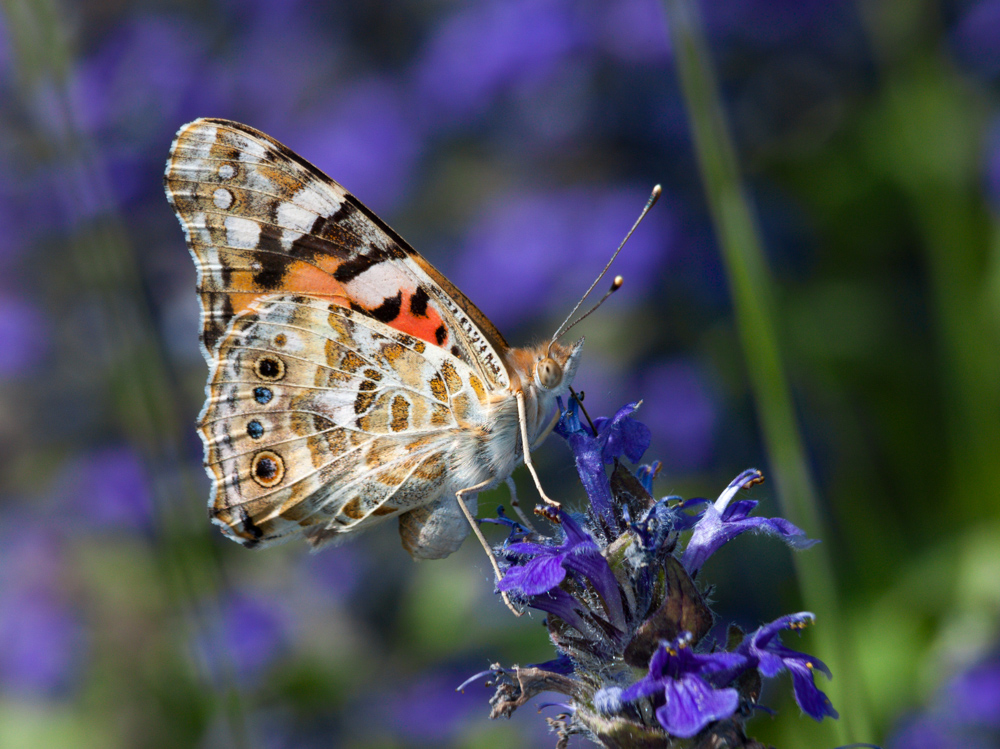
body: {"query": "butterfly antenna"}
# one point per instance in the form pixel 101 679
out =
pixel 566 325
pixel 615 285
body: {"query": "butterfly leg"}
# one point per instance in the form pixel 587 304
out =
pixel 460 496
pixel 523 418
pixel 525 521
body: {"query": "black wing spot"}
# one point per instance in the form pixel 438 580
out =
pixel 250 526
pixel 351 269
pixel 441 334
pixel 268 269
pixel 389 309
pixel 456 352
pixel 418 302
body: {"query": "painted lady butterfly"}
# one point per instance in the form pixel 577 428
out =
pixel 350 381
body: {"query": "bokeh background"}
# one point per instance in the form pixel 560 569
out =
pixel 512 142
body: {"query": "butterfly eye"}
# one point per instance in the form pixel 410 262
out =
pixel 549 373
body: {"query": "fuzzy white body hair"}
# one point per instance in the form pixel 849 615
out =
pixel 437 529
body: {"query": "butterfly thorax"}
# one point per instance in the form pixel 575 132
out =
pixel 542 373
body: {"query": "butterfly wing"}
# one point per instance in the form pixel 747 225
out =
pixel 323 420
pixel 344 366
pixel 261 220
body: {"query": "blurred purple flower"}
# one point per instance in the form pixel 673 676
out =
pixel 42 643
pixel 152 73
pixel 964 714
pixel 337 572
pixel 974 38
pixel 281 65
pixel 991 169
pixel 487 48
pixel 265 14
pixel 634 30
pixel 973 697
pixel 365 140
pixel 681 409
pixel 20 218
pixel 43 638
pixel 5 77
pixel 427 711
pixel 24 336
pixel 248 637
pixel 768 22
pixel 533 253
pixel 110 489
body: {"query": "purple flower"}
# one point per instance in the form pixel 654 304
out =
pixel 620 598
pixel 991 176
pixel 543 568
pixel 248 636
pixel 768 22
pixel 282 61
pixel 110 489
pixel 686 701
pixel 152 73
pixel 43 637
pixel 24 337
pixel 488 48
pixel 338 572
pixel 975 35
pixel 682 410
pixel 646 473
pixel 365 139
pixel 723 521
pixel 634 30
pixel 973 697
pixel 42 643
pixel 764 649
pixel 4 53
pixel 622 435
pixel 964 713
pixel 427 711
pixel 589 462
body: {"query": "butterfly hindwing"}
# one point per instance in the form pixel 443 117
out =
pixel 324 420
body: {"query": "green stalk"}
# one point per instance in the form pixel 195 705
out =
pixel 753 294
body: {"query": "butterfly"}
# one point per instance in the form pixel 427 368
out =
pixel 350 382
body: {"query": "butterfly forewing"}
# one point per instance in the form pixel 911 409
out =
pixel 261 220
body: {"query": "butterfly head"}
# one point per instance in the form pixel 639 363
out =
pixel 555 367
